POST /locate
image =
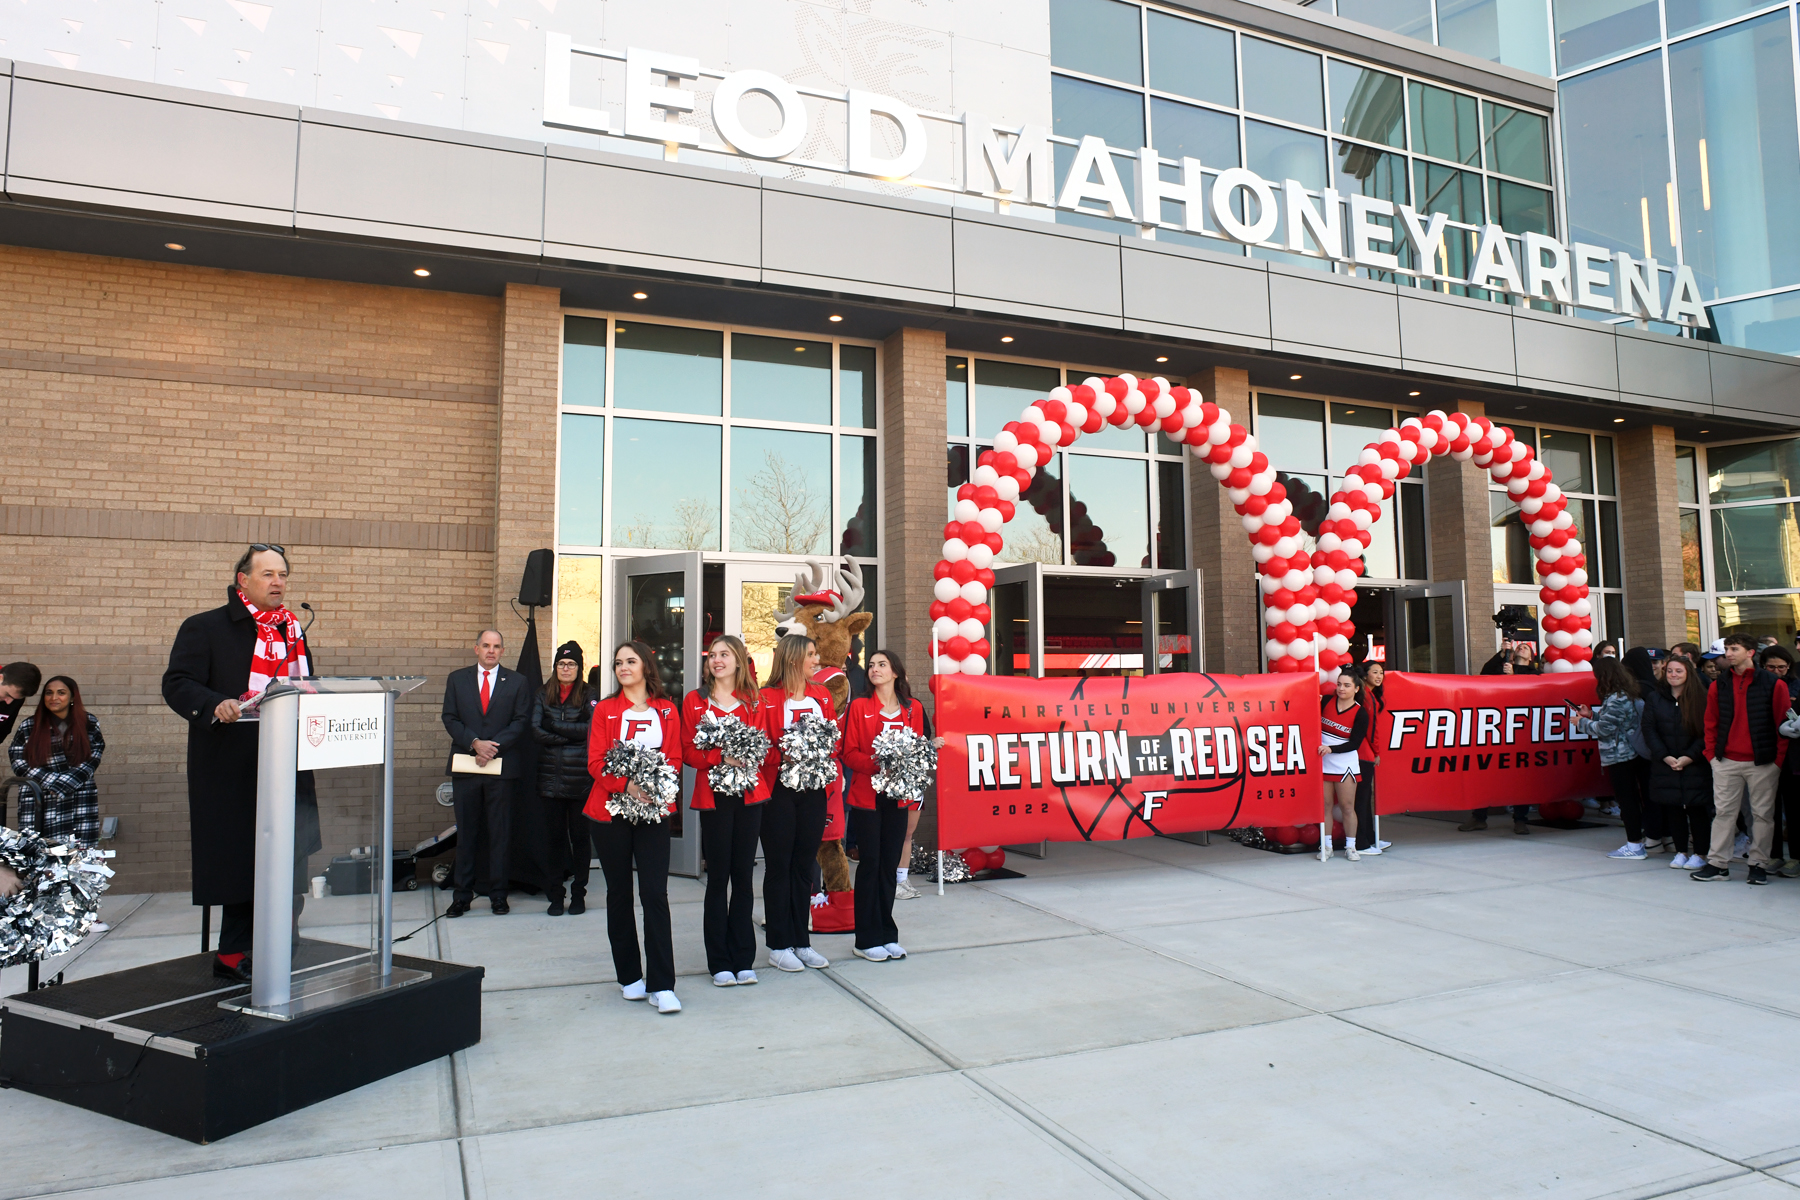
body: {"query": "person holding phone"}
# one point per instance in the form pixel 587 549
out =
pixel 1615 726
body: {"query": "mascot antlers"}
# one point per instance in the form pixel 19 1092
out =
pixel 827 614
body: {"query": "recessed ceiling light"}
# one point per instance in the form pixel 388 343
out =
pixel 421 272
pixel 640 295
pixel 1162 358
pixel 962 366
pixel 1293 377
pixel 173 246
pixel 1618 420
pixel 1412 393
pixel 1706 431
pixel 1007 338
pixel 799 349
pixel 834 318
pixel 1349 412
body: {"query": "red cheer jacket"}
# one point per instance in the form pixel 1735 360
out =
pixel 604 734
pixel 863 721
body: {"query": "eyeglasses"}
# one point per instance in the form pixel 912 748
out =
pixel 259 547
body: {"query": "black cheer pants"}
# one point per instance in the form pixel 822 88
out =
pixel 568 826
pixel 483 836
pixel 728 833
pixel 620 844
pixel 792 825
pixel 880 833
pixel 1365 804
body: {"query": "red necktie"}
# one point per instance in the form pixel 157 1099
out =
pixel 484 691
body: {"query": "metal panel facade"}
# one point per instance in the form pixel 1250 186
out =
pixel 813 235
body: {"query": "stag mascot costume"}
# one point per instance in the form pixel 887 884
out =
pixel 826 612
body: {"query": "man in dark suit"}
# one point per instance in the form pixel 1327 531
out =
pixel 222 659
pixel 486 709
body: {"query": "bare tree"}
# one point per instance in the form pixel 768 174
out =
pixel 639 530
pixel 776 514
pixel 1034 544
pixel 696 525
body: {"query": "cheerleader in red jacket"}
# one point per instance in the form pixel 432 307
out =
pixel 793 822
pixel 638 711
pixel 878 819
pixel 1345 723
pixel 729 824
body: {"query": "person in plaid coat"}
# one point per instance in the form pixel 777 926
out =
pixel 58 747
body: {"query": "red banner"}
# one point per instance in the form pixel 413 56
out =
pixel 1104 758
pixel 1477 741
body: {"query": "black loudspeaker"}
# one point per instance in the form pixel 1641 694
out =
pixel 534 585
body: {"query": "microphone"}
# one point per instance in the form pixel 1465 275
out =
pixel 311 616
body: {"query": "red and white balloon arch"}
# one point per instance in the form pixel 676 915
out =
pixel 1307 596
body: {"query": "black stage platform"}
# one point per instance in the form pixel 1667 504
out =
pixel 152 1046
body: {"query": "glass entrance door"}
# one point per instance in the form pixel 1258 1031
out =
pixel 755 596
pixel 657 601
pixel 1016 633
pixel 1172 629
pixel 1430 629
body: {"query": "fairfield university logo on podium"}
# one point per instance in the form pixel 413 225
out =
pixel 315 730
pixel 342 730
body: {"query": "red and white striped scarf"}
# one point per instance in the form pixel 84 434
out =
pixel 278 652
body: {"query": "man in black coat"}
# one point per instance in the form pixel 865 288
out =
pixel 220 659
pixel 486 710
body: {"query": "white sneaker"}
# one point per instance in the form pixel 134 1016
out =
pixel 746 978
pixel 1681 863
pixel 1629 850
pixel 1378 846
pixel 1740 846
pixel 895 950
pixel 1324 852
pixel 1375 848
pixel 99 927
pixel 811 957
pixel 873 953
pixel 1351 852
pixel 634 991
pixel 786 960
pixel 667 1003
pixel 724 979
pixel 905 891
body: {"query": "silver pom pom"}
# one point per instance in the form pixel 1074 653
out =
pixel 59 902
pixel 653 774
pixel 908 764
pixel 808 754
pixel 924 863
pixel 732 738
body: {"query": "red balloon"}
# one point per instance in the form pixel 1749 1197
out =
pixel 986 576
pixel 1571 594
pixel 1328 626
pixel 952 530
pixel 1006 509
pixel 1309 593
pixel 1255 506
pixel 959 610
pixel 1337 560
pixel 1309 834
pixel 996 859
pixel 1259 462
pixel 995 542
pixel 1004 462
pixel 1239 478
pixel 957 647
pixel 982 613
pixel 1056 410
pixel 1347 629
pixel 1284 632
pixel 939 609
pixel 1536 487
pixel 1268 535
pixel 1331 593
pixel 941 571
pixel 1094 422
pixel 1288 666
pixel 1282 835
pixel 975 860
pixel 1276 567
pixel 966 492
pixel 1238 434
pixel 1327 659
pixel 1552 624
pixel 962 570
pixel 979 647
pixel 972 532
pixel 1282 598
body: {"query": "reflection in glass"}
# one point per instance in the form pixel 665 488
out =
pixel 1683 15
pixel 1769 323
pixel 1096 37
pixel 1614 606
pixel 780 491
pixel 1282 82
pixel 1737 155
pixel 957 459
pixel 780 379
pixel 1456 194
pixel 1444 124
pixel 1354 426
pixel 1278 154
pixel 1291 431
pixel 1692 579
pixel 1004 389
pixel 579 580
pixel 584 361
pixel 856 386
pixel 1590 30
pixel 1310 500
pixel 956 396
pixel 1687 485
pixel 1367 104
pixel 1518 142
pixel 1520 208
pixel 1612 576
pixel 668 368
pixel 1616 157
pixel 1381 559
pixel 579 490
pixel 1080 109
pixel 1035 532
pixel 1192 59
pixel 1511 541
pixel 1409 17
pixel 657 613
pixel 1604 480
pixel 857 500
pixel 1186 130
pixel 1171 518
pixel 1109 511
pixel 1382 174
pixel 1753 471
pixel 1760 616
pixel 666 485
pixel 1514 32
pixel 1565 455
pixel 1412 529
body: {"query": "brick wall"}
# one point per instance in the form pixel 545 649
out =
pixel 1220 548
pixel 1650 538
pixel 1457 511
pixel 912 446
pixel 159 417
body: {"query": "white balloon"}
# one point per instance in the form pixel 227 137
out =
pixel 1330 541
pixel 1409 451
pixel 1558 667
pixel 1559 610
pixel 1262 553
pixel 985 476
pixel 1548 553
pixel 1581 608
pixel 1571 548
pixel 1267 584
pixel 1274 649
pixel 1007 488
pixel 1339 612
pixel 1556 582
pixel 1516 487
pixel 1389 468
pixel 1583 637
pixel 1219 432
pixel 1346 579
pixel 1552 493
pixel 1564 520
pixel 1260 485
pixel 1296 579
pixel 1428 439
pixel 1219 470
pixel 1004 440
pixel 1540 528
pixel 1105 405
pixel 1480 458
pixel 1163 407
pixel 1033 413
pixel 1238 495
pixel 1531 505
pixel 990 519
pixel 943 629
pixel 955 550
pixel 946 665
pixel 1287 547
pixel 971 629
pixel 1274 616
pixel 1323 575
pixel 1134 402
pixel 1240 455
pixel 1579 577
pixel 1535 470
pixel 1027 456
pixel 1077 414
pixel 974 665
pixel 1300 648
pixel 980 555
pixel 1561 640
pixel 1060 393
pixel 1299 614
pixel 1361 517
pixel 944 589
pixel 966 510
pixel 1191 416
pixel 1462 455
pixel 1337 643
pixel 1049 433
pixel 1251 522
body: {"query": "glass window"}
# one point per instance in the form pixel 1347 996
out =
pixel 667 368
pixel 1284 83
pixel 1616 157
pixel 1590 30
pixel 1615 618
pixel 1192 59
pixel 1691 578
pixel 1737 155
pixel 1382 174
pixel 1687 487
pixel 1514 32
pixel 1683 15
pixel 1519 208
pixel 1511 541
pixel 1612 576
pixel 1518 143
pixel 1035 532
pixel 659 507
pixel 780 379
pixel 1444 124
pixel 1291 431
pixel 1409 17
pixel 1366 104
pixel 584 361
pixel 1769 323
pixel 1111 437
pixel 957 459
pixel 1753 471
pixel 1277 154
pixel 956 396
pixel 1080 109
pixel 1310 500
pixel 1760 616
pixel 856 386
pixel 1382 559
pixel 1178 130
pixel 1566 456
pixel 1096 37
pixel 780 491
pixel 1171 518
pixel 579 580
pixel 1004 389
pixel 1109 511
pixel 1412 528
pixel 579 489
pixel 857 498
pixel 1456 194
pixel 1354 426
pixel 1604 483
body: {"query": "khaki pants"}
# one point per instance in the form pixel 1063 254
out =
pixel 1730 781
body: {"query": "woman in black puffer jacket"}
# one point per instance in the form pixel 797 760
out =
pixel 1674 729
pixel 560 719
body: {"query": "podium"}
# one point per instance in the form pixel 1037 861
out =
pixel 169 1047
